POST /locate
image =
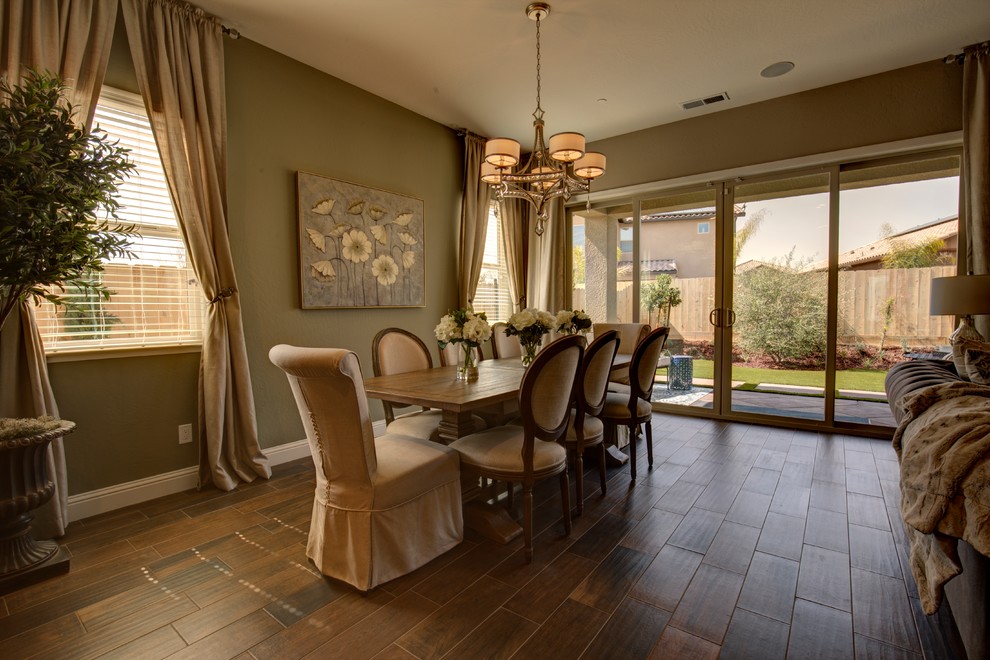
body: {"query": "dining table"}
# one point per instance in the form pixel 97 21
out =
pixel 495 393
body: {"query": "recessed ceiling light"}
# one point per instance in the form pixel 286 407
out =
pixel 777 69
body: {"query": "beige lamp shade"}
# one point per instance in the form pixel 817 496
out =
pixel 566 147
pixel 590 166
pixel 502 152
pixel 490 173
pixel 543 185
pixel 961 295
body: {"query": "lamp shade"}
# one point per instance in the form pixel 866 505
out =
pixel 490 173
pixel 961 295
pixel 590 166
pixel 502 152
pixel 566 147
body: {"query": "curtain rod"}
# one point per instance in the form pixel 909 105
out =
pixel 230 32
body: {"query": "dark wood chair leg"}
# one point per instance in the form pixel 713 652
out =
pixel 565 496
pixel 649 442
pixel 579 476
pixel 602 473
pixel 528 519
pixel 633 432
pixel 509 497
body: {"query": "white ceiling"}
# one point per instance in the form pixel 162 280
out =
pixel 472 63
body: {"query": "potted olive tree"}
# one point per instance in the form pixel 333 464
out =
pixel 58 224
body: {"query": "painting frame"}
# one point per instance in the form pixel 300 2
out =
pixel 359 247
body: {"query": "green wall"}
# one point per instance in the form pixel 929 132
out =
pixel 284 117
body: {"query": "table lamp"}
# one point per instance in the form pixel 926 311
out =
pixel 962 296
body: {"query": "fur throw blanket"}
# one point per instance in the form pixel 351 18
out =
pixel 943 445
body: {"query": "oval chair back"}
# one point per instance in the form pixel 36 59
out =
pixel 504 346
pixel 396 351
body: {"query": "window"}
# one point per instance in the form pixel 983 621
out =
pixel 157 300
pixel 704 227
pixel 492 295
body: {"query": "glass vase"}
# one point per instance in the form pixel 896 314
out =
pixel 529 352
pixel 467 365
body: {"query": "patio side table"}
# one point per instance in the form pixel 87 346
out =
pixel 680 373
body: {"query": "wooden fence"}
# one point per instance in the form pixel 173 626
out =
pixel 863 297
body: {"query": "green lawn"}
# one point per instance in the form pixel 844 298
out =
pixel 856 379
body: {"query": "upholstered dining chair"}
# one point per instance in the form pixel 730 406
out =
pixel 383 506
pixel 531 452
pixel 585 429
pixel 630 334
pixel 502 345
pixel 396 351
pixel 630 405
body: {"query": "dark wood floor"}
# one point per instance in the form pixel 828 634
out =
pixel 744 541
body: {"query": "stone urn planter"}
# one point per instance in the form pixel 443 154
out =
pixel 25 485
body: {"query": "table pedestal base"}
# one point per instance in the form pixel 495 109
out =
pixel 491 521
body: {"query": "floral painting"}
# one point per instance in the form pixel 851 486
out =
pixel 358 246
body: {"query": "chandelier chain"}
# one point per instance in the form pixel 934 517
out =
pixel 538 113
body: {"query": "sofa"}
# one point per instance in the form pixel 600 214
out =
pixel 968 592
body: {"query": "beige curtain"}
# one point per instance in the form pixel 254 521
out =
pixel 474 220
pixel 548 262
pixel 178 55
pixel 71 38
pixel 976 164
pixel 515 240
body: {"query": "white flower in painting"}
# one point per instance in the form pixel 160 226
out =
pixel 376 213
pixel 403 219
pixel 385 269
pixel 379 233
pixel 318 239
pixel 357 247
pixel 408 259
pixel 339 230
pixel 324 207
pixel 407 238
pixel 477 330
pixel 324 268
pixel 356 208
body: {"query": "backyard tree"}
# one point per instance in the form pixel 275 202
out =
pixel 746 232
pixel 905 254
pixel 660 295
pixel 781 311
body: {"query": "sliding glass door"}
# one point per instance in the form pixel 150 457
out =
pixel 788 296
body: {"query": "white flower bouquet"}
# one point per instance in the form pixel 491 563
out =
pixel 530 325
pixel 470 330
pixel 572 321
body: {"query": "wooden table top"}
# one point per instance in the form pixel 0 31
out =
pixel 498 381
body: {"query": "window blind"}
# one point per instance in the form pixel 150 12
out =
pixel 492 294
pixel 157 299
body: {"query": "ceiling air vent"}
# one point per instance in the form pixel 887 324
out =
pixel 708 100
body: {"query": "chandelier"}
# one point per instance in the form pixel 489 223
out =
pixel 560 170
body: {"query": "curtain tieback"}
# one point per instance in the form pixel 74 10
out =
pixel 224 293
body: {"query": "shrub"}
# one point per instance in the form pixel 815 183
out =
pixel 781 311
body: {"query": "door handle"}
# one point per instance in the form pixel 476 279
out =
pixel 715 317
pixel 732 317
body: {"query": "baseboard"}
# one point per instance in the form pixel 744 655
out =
pixel 118 496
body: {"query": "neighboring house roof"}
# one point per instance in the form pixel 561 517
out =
pixel 707 213
pixel 651 266
pixel 943 228
pixel 753 264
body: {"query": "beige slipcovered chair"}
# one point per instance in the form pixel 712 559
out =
pixel 383 506
pixel 630 406
pixel 504 346
pixel 531 452
pixel 396 351
pixel 630 334
pixel 585 429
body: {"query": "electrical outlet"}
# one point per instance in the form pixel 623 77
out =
pixel 185 434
